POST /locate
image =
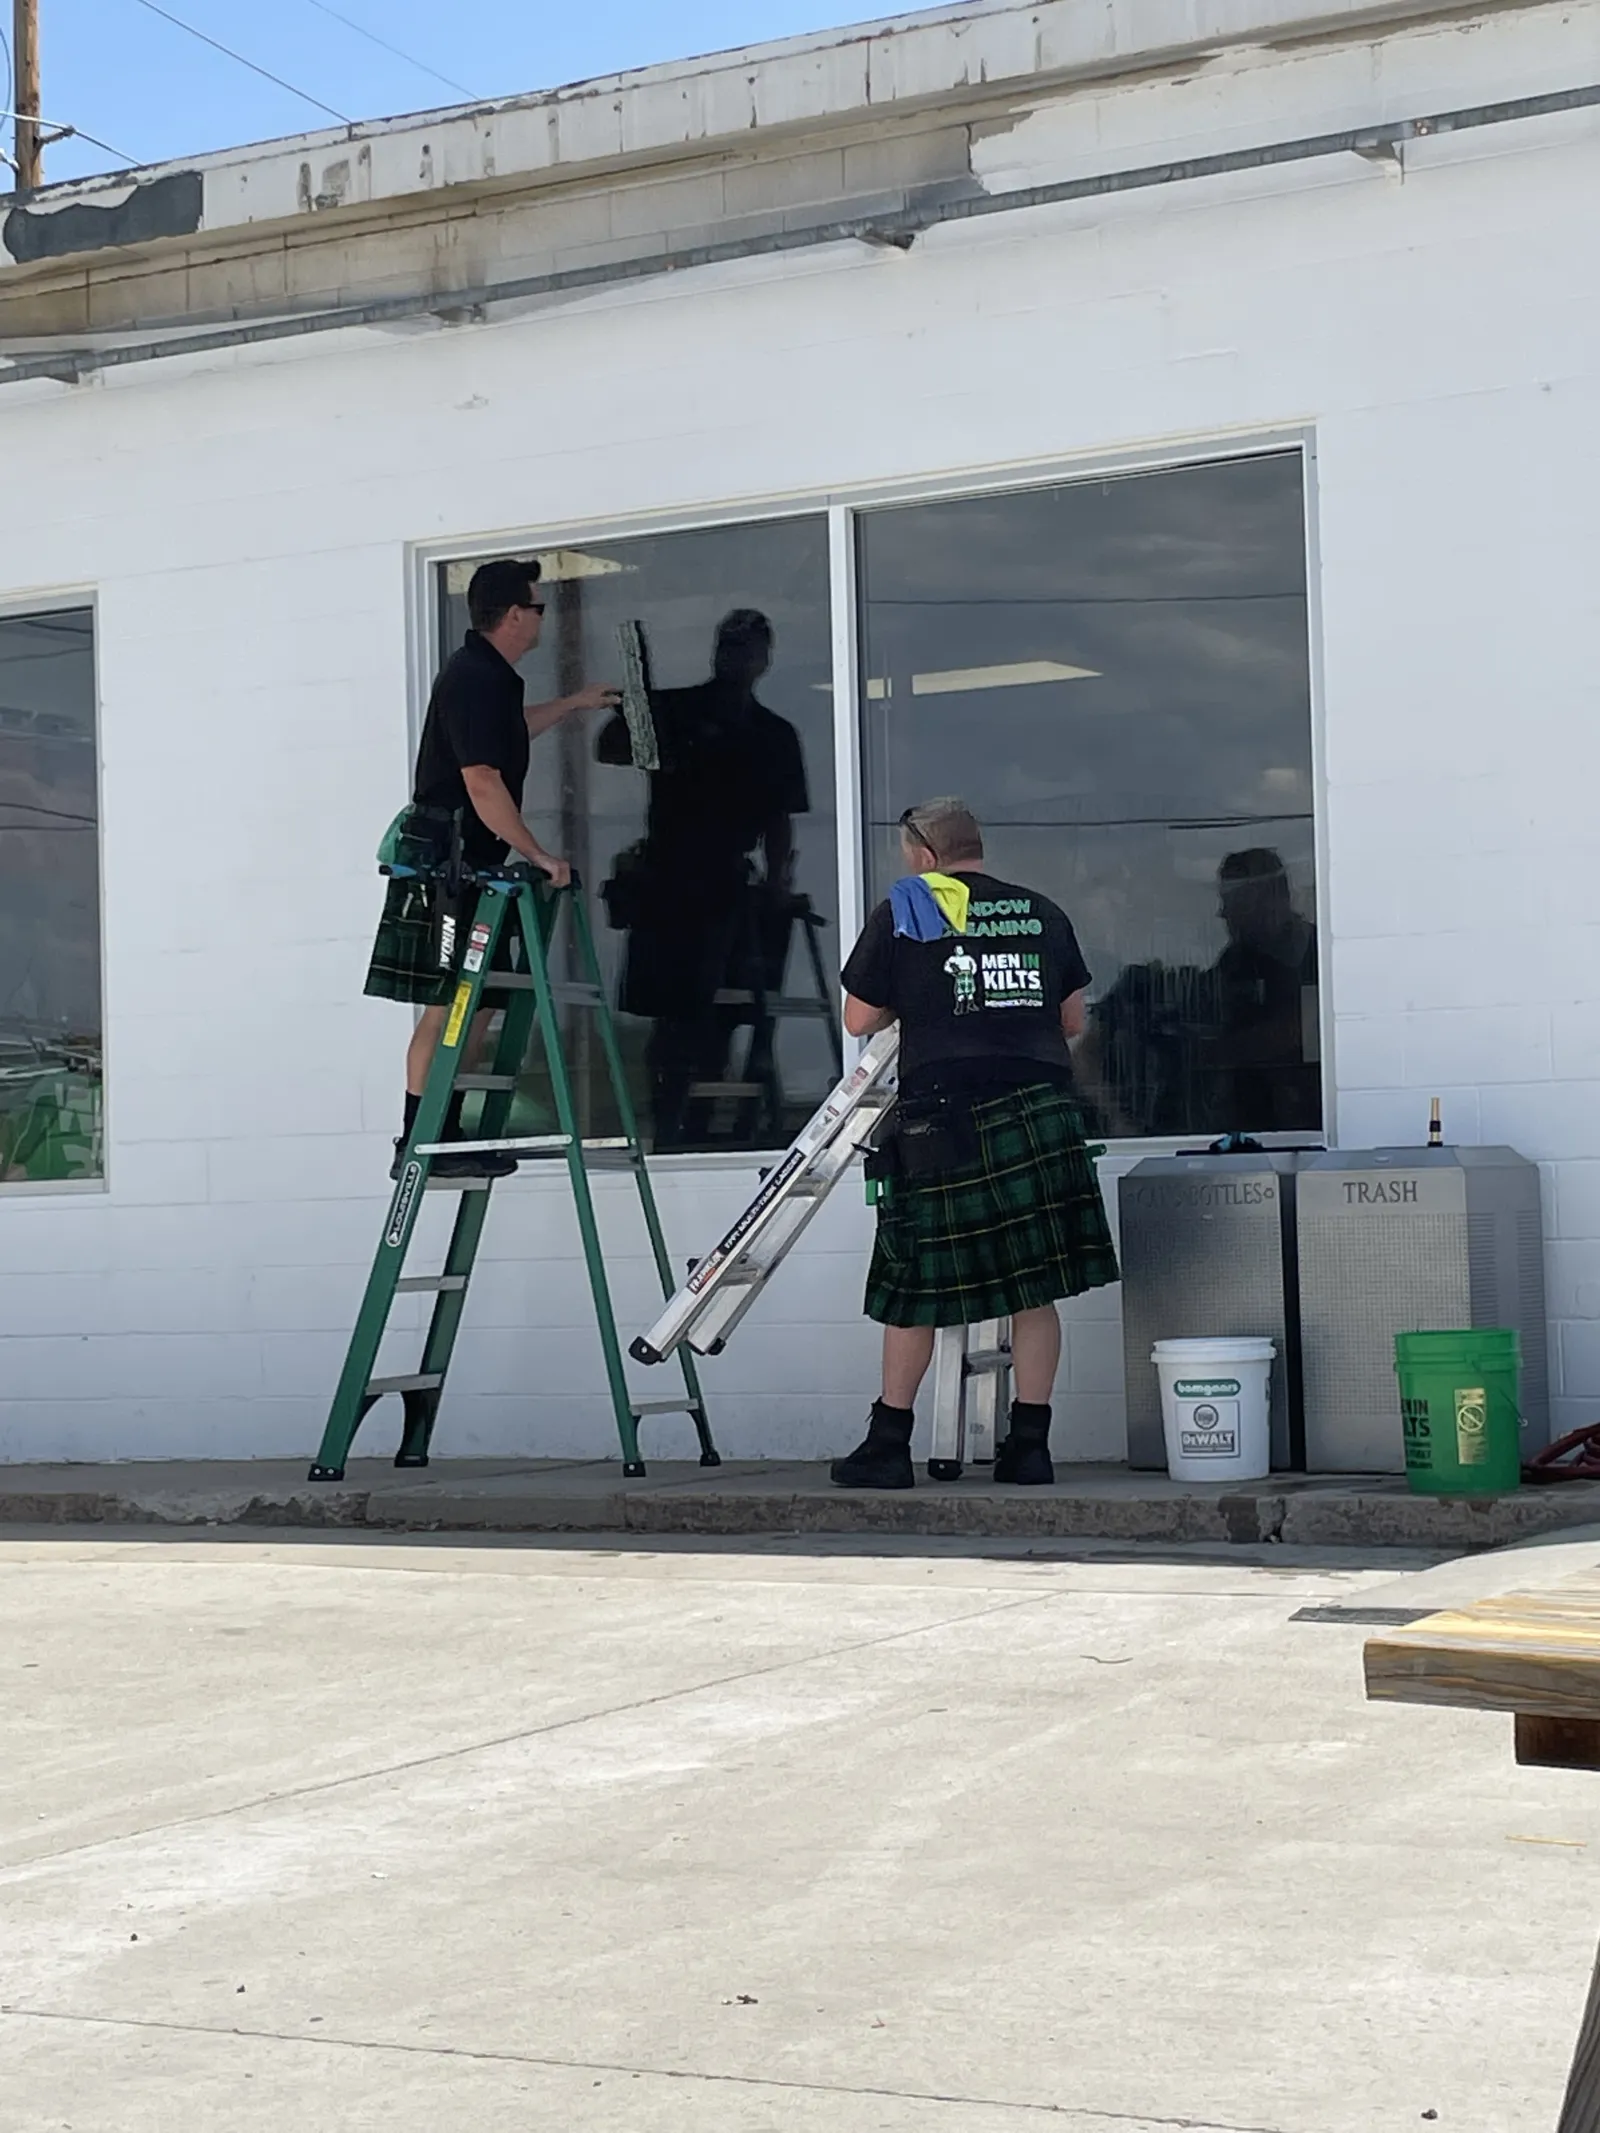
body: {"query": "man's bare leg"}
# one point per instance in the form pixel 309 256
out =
pixel 424 1043
pixel 420 1056
pixel 907 1352
pixel 1036 1354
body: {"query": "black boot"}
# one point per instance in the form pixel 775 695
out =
pixel 1023 1455
pixel 883 1459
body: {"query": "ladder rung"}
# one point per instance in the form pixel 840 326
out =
pixel 486 1081
pixel 569 995
pixel 988 1359
pixel 663 1407
pixel 534 1144
pixel 530 1145
pixel 431 1285
pixel 458 1184
pixel 422 1381
pixel 727 1088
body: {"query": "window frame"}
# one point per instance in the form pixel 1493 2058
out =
pixel 22 607
pixel 843 508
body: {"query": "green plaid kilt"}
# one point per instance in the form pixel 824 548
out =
pixel 404 956
pixel 1022 1226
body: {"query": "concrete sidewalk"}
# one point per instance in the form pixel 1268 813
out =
pixel 830 1835
pixel 1087 1503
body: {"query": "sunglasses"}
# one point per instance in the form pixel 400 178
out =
pixel 532 607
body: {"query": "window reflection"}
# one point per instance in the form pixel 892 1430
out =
pixel 1115 675
pixel 50 1023
pixel 713 879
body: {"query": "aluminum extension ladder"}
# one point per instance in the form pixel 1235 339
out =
pixel 512 907
pixel 972 1364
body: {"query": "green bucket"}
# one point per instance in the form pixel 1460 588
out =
pixel 1460 1409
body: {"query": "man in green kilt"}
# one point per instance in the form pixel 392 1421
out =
pixel 989 1207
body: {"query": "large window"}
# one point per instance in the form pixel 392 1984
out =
pixel 1114 674
pixel 50 1095
pixel 713 882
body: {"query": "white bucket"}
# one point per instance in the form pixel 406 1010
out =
pixel 1215 1407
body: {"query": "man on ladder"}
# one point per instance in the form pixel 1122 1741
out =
pixel 988 1204
pixel 466 813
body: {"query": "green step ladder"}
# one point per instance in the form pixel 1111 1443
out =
pixel 513 906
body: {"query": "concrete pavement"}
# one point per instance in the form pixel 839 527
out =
pixel 347 1831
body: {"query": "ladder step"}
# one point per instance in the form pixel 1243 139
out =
pixel 569 995
pixel 430 1285
pixel 486 1081
pixel 421 1381
pixel 664 1407
pixel 988 1359
pixel 529 1145
pixel 532 1144
pixel 727 1088
pixel 459 1184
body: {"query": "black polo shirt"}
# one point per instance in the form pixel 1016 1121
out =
pixel 475 716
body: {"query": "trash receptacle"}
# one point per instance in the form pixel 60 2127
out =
pixel 1216 1407
pixel 1460 1411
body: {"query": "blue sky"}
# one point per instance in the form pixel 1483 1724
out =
pixel 117 69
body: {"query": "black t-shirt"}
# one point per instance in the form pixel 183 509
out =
pixel 729 767
pixel 475 716
pixel 979 1010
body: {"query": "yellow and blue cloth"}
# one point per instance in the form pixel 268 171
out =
pixel 928 907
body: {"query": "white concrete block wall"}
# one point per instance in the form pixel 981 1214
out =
pixel 244 526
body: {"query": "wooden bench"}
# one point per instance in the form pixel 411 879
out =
pixel 1537 1656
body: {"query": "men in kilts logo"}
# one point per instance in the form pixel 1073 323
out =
pixel 471 766
pixel 989 1206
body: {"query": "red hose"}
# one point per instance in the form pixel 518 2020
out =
pixel 1574 1457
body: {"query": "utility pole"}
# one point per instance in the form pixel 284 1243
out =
pixel 25 94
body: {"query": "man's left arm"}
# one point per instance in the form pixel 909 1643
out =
pixel 777 851
pixel 541 717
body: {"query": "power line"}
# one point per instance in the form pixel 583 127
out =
pixel 54 131
pixel 228 52
pixel 383 44
pixel 77 133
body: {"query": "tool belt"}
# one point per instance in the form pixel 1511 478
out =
pixel 923 1137
pixel 424 844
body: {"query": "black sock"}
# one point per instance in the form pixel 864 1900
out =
pixel 453 1128
pixel 413 1106
pixel 1030 1411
